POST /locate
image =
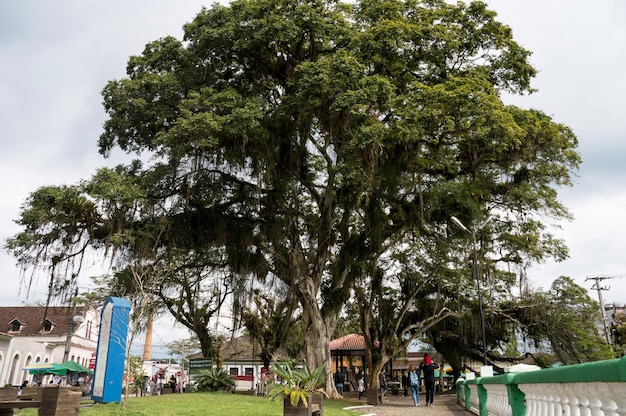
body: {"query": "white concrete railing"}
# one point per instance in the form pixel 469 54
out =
pixel 590 389
pixel 473 396
pixel 498 403
pixel 575 399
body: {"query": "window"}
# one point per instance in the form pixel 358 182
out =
pixel 249 371
pixel 234 371
pixel 16 326
pixel 47 326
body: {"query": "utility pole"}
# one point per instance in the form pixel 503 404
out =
pixel 596 286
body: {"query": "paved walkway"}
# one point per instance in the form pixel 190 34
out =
pixel 445 404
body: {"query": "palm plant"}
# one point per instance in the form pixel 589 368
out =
pixel 215 379
pixel 298 382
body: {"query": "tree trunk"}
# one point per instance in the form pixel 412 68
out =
pixel 147 345
pixel 317 330
pixel 374 368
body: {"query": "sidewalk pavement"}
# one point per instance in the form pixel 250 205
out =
pixel 444 404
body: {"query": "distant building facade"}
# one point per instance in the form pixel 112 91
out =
pixel 37 335
pixel 240 359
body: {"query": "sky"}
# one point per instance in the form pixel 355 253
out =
pixel 55 58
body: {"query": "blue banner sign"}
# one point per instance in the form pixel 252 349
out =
pixel 111 352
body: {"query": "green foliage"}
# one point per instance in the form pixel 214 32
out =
pixel 215 379
pixel 544 360
pixel 511 349
pixel 298 382
pixel 349 322
pixel 567 319
pixel 134 369
pixel 183 348
pixel 294 342
pixel 619 335
pixel 270 321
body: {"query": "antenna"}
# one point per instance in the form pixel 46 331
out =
pixel 596 286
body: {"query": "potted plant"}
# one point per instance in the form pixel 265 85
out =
pixel 167 389
pixel 301 389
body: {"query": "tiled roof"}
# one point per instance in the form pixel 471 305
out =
pixel 351 342
pixel 237 349
pixel 31 318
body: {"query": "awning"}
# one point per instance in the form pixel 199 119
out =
pixel 46 368
pixel 39 366
pixel 74 367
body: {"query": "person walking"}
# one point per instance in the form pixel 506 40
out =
pixel 361 387
pixel 428 367
pixel 414 381
pixel 340 379
pixel 382 381
pixel 405 383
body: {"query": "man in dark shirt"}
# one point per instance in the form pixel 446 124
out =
pixel 340 379
pixel 428 368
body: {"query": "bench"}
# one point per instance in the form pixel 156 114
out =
pixel 30 393
pixel 7 407
pixel 8 393
pixel 316 402
pixel 50 400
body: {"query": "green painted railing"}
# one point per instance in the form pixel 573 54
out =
pixel 597 388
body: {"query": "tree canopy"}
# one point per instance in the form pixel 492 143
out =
pixel 324 144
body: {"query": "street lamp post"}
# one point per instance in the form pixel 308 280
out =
pixel 73 323
pixel 472 232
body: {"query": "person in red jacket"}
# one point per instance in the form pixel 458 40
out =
pixel 428 367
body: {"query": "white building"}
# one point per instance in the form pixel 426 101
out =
pixel 36 334
pixel 241 361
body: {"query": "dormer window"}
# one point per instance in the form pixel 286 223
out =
pixel 16 326
pixel 47 326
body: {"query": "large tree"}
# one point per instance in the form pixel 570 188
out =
pixel 312 141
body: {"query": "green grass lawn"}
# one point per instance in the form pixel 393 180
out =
pixel 194 404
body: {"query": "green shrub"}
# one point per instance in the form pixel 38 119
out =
pixel 215 379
